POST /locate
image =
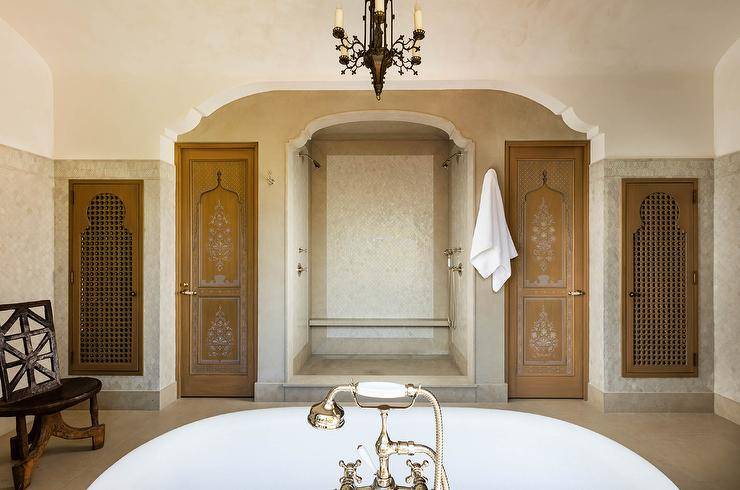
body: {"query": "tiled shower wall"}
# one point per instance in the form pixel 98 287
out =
pixel 379 222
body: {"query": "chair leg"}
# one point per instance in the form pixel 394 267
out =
pixel 45 426
pixel 19 442
pixel 22 471
pixel 96 432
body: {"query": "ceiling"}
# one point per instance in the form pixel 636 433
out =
pixel 291 39
pixel 124 70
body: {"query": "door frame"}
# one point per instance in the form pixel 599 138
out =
pixel 586 145
pixel 179 147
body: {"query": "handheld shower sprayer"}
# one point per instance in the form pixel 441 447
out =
pixel 328 414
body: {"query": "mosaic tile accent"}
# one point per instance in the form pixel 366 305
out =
pixel 380 245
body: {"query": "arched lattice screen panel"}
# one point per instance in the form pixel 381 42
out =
pixel 660 333
pixel 105 277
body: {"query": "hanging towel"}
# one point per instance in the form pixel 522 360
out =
pixel 492 247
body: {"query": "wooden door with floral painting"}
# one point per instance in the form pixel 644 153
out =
pixel 217 268
pixel 546 295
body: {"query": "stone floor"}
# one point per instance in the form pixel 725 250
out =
pixel 697 451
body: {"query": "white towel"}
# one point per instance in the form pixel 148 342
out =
pixel 492 247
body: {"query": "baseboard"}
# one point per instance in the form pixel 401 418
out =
pixel 459 359
pixel 134 400
pixel 492 393
pixel 595 398
pixel 168 395
pixel 650 402
pixel 300 359
pixel 727 408
pixel 269 392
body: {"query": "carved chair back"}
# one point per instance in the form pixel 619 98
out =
pixel 28 353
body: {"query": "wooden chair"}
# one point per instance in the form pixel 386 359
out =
pixel 29 378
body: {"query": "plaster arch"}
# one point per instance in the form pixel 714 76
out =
pixel 293 161
pixel 209 106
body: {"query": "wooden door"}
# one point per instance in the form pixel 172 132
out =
pixel 105 276
pixel 217 268
pixel 546 295
pixel 659 278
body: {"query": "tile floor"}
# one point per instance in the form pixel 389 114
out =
pixel 697 451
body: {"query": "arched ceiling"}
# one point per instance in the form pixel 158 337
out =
pixel 476 39
pixel 149 61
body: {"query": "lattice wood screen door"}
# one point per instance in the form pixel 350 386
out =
pixel 105 304
pixel 659 278
pixel 546 303
pixel 217 268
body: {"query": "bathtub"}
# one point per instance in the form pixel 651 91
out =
pixel 277 449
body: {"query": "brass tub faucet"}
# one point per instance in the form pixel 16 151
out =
pixel 329 415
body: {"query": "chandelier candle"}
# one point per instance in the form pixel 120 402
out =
pixel 417 18
pixel 339 18
pixel 379 49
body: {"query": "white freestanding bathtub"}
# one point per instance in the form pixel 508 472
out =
pixel 277 449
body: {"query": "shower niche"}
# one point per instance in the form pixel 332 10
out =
pixel 379 221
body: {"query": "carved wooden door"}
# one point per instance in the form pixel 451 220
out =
pixel 546 303
pixel 217 234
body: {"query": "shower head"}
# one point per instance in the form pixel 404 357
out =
pixel 313 160
pixel 327 414
pixel 446 163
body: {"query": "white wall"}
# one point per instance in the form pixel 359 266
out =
pixel 727 102
pixel 726 273
pixel 26 106
pixel 726 233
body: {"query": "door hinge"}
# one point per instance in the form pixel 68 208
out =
pixel 71 277
pixel 694 277
pixel 696 359
pixel 695 196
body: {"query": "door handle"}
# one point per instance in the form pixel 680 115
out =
pixel 186 290
pixel 577 292
pixel 633 294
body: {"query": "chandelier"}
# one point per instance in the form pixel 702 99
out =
pixel 379 50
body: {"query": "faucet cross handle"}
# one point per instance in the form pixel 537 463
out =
pixel 417 473
pixel 350 472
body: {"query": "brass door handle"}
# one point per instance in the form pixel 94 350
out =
pixel 633 294
pixel 577 292
pixel 186 290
